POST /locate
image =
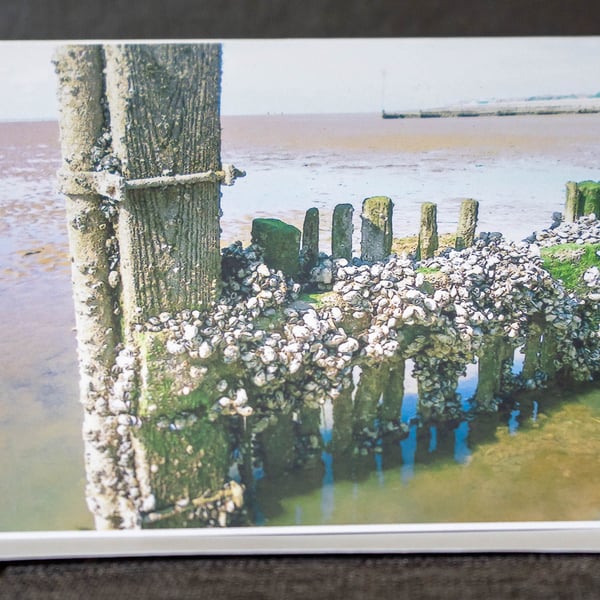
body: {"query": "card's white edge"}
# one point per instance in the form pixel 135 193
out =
pixel 544 536
pixel 559 536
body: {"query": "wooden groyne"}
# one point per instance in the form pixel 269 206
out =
pixel 199 368
pixel 504 109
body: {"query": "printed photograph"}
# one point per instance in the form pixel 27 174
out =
pixel 266 283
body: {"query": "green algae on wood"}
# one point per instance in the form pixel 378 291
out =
pixel 590 197
pixel 583 198
pixel 568 263
pixel 281 244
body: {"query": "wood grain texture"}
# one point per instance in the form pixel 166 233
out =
pixel 165 120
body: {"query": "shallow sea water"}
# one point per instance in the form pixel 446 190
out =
pixel 516 167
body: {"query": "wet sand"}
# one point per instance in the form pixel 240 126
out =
pixel 516 167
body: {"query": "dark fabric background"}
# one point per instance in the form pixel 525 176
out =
pixel 463 577
pixel 79 19
pixel 414 576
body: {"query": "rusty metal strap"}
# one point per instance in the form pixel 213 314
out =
pixel 114 186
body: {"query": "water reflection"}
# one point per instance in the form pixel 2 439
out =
pixel 439 468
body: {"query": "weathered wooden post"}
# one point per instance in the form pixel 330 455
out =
pixel 572 209
pixel 281 244
pixel 467 224
pixel 590 197
pixel 310 239
pixel 583 198
pixel 376 230
pixel 428 233
pixel 164 103
pixel 341 231
pixel 140 135
pixel 80 90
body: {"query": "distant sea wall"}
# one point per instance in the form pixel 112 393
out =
pixel 503 109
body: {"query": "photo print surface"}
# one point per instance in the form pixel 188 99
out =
pixel 265 283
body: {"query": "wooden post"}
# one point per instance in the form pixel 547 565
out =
pixel 310 239
pixel 164 102
pixel 428 234
pixel 467 224
pixel 341 231
pixel 572 209
pixel 590 197
pixel 155 250
pixel 80 89
pixel 281 244
pixel 376 230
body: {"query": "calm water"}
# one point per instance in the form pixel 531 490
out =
pixel 516 167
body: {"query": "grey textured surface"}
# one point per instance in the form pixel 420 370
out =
pixel 79 19
pixel 462 577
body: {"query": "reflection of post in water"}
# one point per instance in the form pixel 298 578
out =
pixel 343 419
pixel 144 243
pixel 369 393
pixel 393 392
pixel 378 401
pixel 533 347
pixel 548 352
pixel 494 351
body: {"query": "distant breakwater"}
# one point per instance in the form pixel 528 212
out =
pixel 589 106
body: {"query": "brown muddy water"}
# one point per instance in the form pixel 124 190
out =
pixel 535 461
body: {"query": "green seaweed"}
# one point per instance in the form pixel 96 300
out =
pixel 568 263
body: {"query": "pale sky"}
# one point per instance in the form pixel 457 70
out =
pixel 320 76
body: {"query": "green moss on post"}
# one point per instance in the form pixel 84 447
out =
pixel 281 244
pixel 277 443
pixel 590 197
pixel 341 231
pixel 185 461
pixel 376 232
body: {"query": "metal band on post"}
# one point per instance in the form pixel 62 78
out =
pixel 113 186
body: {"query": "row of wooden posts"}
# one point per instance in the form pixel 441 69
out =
pixel 283 243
